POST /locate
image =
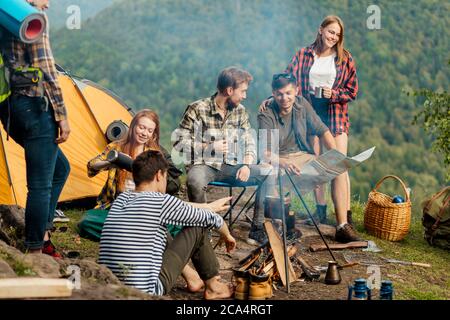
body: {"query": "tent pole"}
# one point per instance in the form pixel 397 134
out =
pixel 7 170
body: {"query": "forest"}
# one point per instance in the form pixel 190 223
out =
pixel 164 54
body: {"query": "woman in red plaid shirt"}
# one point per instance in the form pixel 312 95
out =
pixel 326 76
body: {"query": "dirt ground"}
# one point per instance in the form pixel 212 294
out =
pixel 409 282
pixel 301 289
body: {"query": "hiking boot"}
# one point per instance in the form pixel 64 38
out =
pixel 346 234
pixel 60 217
pixel 320 216
pixel 242 284
pixel 260 287
pixel 50 249
pixel 257 236
pixel 350 218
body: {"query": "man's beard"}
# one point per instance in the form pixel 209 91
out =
pixel 231 104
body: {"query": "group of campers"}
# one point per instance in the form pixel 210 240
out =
pixel 149 235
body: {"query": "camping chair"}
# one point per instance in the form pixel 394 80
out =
pixel 230 186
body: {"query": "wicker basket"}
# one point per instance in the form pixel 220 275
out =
pixel 385 219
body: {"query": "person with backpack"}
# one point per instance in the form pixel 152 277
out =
pixel 35 117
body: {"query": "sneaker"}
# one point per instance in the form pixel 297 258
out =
pixel 257 236
pixel 346 234
pixel 60 217
pixel 50 249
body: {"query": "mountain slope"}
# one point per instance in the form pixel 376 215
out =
pixel 165 54
pixel 58 14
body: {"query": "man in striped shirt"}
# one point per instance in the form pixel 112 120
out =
pixel 134 242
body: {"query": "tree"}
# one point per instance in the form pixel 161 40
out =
pixel 435 119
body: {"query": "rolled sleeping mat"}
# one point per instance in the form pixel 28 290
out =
pixel 116 130
pixel 22 20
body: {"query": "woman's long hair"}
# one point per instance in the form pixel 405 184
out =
pixel 128 144
pixel 318 45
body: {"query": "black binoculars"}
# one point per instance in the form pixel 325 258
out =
pixel 121 160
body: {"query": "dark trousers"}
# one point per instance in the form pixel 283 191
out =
pixel 35 129
pixel 321 105
pixel 190 243
pixel 200 175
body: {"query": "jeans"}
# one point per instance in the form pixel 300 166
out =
pixel 200 175
pixel 191 242
pixel 35 129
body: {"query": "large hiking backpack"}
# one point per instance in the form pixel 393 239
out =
pixel 5 91
pixel 436 219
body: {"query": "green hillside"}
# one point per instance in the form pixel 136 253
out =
pixel 58 10
pixel 165 54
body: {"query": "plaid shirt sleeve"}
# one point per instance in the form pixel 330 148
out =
pixel 108 192
pixel 300 62
pixel 250 146
pixel 101 157
pixel 293 66
pixel 185 138
pixel 40 56
pixel 349 89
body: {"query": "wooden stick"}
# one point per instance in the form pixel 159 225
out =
pixel 249 263
pixel 309 270
pixel 339 246
pixel 278 252
pixel 348 265
pixel 18 288
pixel 269 266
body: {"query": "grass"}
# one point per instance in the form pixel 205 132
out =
pixel 70 241
pixel 20 268
pixel 410 283
pixel 416 282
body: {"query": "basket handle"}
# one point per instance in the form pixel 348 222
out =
pixel 396 178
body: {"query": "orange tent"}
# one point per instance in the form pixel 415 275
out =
pixel 91 109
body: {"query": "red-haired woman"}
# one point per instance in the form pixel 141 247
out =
pixel 142 135
pixel 326 76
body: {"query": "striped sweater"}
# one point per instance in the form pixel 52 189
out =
pixel 134 235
